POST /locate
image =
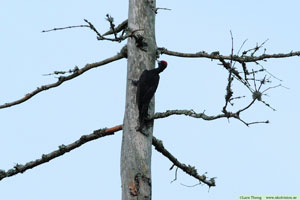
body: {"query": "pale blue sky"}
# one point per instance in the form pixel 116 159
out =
pixel 262 159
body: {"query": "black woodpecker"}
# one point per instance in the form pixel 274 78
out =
pixel 146 87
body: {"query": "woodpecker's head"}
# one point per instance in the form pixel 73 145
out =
pixel 162 65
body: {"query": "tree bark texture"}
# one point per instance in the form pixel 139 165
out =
pixel 136 147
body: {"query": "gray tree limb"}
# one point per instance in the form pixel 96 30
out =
pixel 217 56
pixel 136 147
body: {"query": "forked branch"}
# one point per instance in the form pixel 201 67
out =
pixel 119 28
pixel 113 30
pixel 187 169
pixel 62 149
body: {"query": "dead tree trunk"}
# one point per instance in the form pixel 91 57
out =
pixel 136 147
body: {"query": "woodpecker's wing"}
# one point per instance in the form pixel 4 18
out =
pixel 147 86
pixel 140 88
pixel 149 93
pixel 148 90
pixel 145 99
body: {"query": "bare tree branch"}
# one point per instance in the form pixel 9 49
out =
pixel 156 9
pixel 117 29
pixel 18 168
pixel 91 26
pixel 110 19
pixel 67 27
pixel 192 113
pixel 99 35
pixel 187 169
pixel 215 56
pixel 62 79
pixel 62 149
pixel 255 49
pixel 113 30
pixel 175 173
pixel 70 71
pixel 202 115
